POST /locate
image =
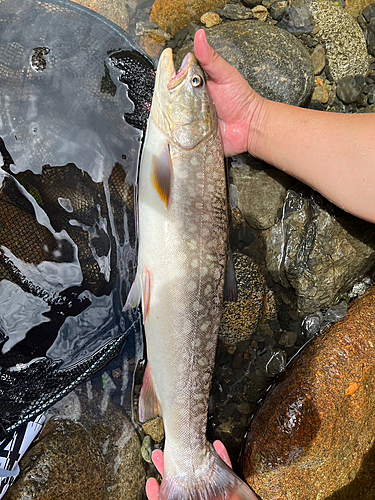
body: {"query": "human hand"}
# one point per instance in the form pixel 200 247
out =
pixel 238 106
pixel 153 487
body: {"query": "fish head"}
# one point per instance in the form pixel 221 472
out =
pixel 181 105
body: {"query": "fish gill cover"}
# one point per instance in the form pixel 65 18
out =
pixel 75 93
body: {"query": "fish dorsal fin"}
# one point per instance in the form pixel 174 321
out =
pixel 230 288
pixel 148 402
pixel 161 174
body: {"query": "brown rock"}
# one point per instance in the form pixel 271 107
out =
pixel 255 303
pixel 114 10
pixel 173 15
pixel 314 436
pixel 210 19
pixel 155 429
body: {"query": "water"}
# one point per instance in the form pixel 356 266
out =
pixel 74 96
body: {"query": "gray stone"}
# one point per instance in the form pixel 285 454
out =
pixel 371 37
pixel 297 18
pixel 342 37
pixel 318 251
pixel 347 89
pixel 369 12
pixel 235 12
pixel 275 63
pixel 318 58
pixel 288 339
pixel 277 9
pixel 260 190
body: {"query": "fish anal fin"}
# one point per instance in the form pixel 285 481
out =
pixel 135 294
pixel 149 407
pixel 161 174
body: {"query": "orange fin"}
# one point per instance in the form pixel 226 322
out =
pixel 148 402
pixel 161 174
pixel 146 288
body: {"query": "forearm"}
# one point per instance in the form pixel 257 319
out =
pixel 333 153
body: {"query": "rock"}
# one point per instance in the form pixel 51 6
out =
pixel 260 13
pixel 236 12
pixel 114 10
pixel 255 303
pixel 369 12
pixel 252 3
pixel 88 449
pixel 288 339
pixel 146 449
pixel 347 89
pixel 155 429
pixel 173 15
pixel 277 9
pixel 371 37
pixel 314 435
pixel 275 63
pixel 297 18
pixel 342 38
pixel 318 58
pixel 318 250
pixel 321 91
pixel 210 19
pixel 355 7
pixel 259 190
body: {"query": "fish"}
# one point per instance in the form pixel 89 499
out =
pixel 183 226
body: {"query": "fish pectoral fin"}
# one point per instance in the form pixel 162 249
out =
pixel 149 406
pixel 161 174
pixel 135 294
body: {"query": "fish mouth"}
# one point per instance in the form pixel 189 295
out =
pixel 177 78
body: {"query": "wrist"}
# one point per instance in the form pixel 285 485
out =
pixel 257 125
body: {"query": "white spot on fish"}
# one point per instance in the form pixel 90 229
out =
pixel 204 271
pixel 194 161
pixel 205 325
pixel 192 286
pixel 194 263
pixel 202 361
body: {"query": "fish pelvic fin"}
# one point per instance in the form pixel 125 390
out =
pixel 214 480
pixel 135 294
pixel 149 406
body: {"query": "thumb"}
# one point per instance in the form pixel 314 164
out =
pixel 215 66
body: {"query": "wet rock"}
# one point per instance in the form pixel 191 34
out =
pixel 146 449
pixel 64 464
pixel 347 89
pixel 210 19
pixel 314 435
pixel 88 449
pixel 318 58
pixel 114 10
pixel 173 15
pixel 258 189
pixel 155 429
pixel 255 303
pixel 288 339
pixel 342 38
pixel 320 264
pixel 236 12
pixel 275 63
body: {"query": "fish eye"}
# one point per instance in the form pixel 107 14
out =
pixel 197 81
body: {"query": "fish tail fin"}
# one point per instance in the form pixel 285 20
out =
pixel 214 480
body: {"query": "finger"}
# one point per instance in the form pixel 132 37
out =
pixel 214 65
pixel 222 452
pixel 158 460
pixel 152 489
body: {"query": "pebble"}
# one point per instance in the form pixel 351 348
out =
pixel 311 324
pixel 236 12
pixel 321 92
pixel 155 429
pixel 260 13
pixel 370 39
pixel 146 449
pixel 288 339
pixel 369 12
pixel 277 9
pixel 297 19
pixel 347 89
pixel 318 58
pixel 210 19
